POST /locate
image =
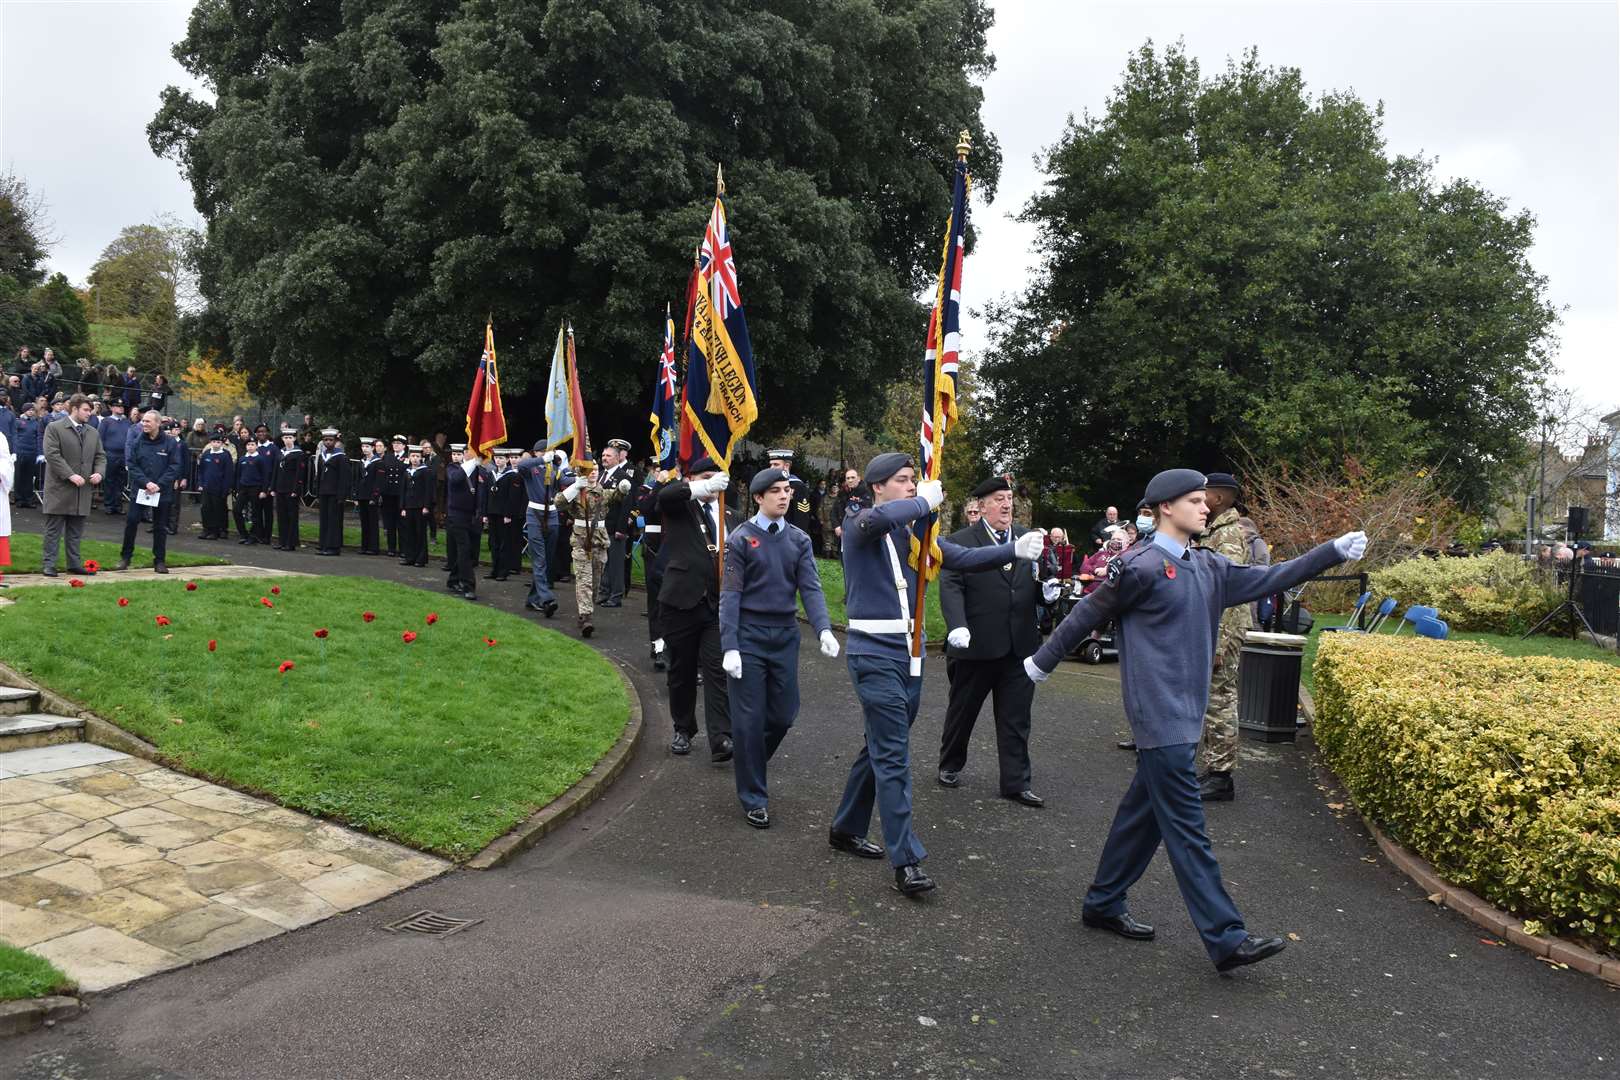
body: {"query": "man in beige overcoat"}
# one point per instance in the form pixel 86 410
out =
pixel 74 464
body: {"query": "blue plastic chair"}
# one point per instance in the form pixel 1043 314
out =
pixel 1350 624
pixel 1413 614
pixel 1430 627
pixel 1384 611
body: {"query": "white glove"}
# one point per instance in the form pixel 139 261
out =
pixel 1351 546
pixel 1030 545
pixel 658 646
pixel 624 487
pixel 714 485
pixel 732 662
pixel 933 492
pixel 1051 590
pixel 829 644
pixel 1035 674
pixel 959 638
pixel 572 491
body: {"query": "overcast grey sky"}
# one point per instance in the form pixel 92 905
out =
pixel 1522 97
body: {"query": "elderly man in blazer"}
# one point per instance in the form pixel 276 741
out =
pixel 991 623
pixel 74 465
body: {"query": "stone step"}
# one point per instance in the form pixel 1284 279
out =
pixel 28 731
pixel 15 699
pixel 48 759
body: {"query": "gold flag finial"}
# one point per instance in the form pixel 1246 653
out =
pixel 719 180
pixel 964 143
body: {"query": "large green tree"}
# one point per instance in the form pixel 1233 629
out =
pixel 378 175
pixel 1229 264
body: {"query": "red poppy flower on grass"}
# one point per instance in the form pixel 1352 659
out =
pixel 368 616
pixel 162 620
pixel 275 590
pixel 75 583
pixel 123 601
pixel 433 617
pixel 408 636
pixel 285 666
pixel 491 642
pixel 213 643
pixel 191 586
pixel 265 600
pixel 91 565
pixel 321 633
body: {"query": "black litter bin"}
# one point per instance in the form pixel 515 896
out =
pixel 1600 597
pixel 1268 685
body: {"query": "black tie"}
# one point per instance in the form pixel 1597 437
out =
pixel 773 528
pixel 1001 537
pixel 708 526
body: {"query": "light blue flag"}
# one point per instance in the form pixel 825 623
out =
pixel 559 416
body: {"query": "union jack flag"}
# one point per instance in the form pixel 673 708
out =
pixel 663 401
pixel 716 252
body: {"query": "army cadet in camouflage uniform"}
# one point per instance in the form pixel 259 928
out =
pixel 590 538
pixel 1217 749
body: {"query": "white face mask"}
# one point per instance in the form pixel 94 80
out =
pixel 1144 524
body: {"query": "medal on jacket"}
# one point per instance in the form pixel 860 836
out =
pixel 1169 571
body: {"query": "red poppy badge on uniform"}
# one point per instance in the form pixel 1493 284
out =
pixel 1169 571
pixel 753 541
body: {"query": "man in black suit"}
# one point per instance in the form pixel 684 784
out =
pixel 689 605
pixel 619 482
pixel 991 618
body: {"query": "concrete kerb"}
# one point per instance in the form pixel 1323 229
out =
pixel 21 1017
pixel 585 791
pixel 1476 909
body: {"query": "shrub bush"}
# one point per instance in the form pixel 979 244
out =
pixel 1498 592
pixel 1502 771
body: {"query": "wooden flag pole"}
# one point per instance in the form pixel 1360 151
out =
pixel 725 466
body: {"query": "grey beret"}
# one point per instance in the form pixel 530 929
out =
pixel 763 480
pixel 884 466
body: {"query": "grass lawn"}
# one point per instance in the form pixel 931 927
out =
pixel 24 975
pixel 443 744
pixel 1540 645
pixel 26 549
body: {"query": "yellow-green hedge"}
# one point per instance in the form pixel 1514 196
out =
pixel 1498 592
pixel 1502 771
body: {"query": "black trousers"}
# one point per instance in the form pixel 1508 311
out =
pixel 971 682
pixel 112 485
pixel 499 536
pixel 654 577
pixel 287 520
pixel 390 522
pixel 331 523
pixel 413 536
pixel 515 545
pixel 692 639
pixel 24 485
pixel 132 524
pixel 459 548
pixel 215 522
pixel 368 526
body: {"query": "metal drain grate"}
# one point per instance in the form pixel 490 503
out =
pixel 430 922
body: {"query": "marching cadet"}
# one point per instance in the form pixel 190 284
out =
pixel 540 474
pixel 215 471
pixel 1167 599
pixel 391 479
pixel 290 484
pixel 879 583
pixel 769 567
pixel 1217 749
pixel 505 500
pixel 590 540
pixel 415 506
pixel 617 481
pixel 689 605
pixel 652 538
pixel 801 512
pixel 367 492
pixel 332 487
pixel 466 497
pixel 991 619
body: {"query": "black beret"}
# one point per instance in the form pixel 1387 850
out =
pixel 1221 480
pixel 1171 485
pixel 763 480
pixel 884 466
pixel 703 464
pixel 991 486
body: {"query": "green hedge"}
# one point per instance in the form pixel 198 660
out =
pixel 1502 771
pixel 1499 592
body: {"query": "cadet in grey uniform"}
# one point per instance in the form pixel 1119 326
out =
pixel 1168 599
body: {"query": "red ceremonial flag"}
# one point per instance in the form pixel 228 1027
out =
pixel 689 448
pixel 486 420
pixel 576 406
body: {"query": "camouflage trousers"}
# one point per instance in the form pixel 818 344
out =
pixel 588 566
pixel 1217 749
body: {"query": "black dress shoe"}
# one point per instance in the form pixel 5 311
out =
pixel 550 608
pixel 1126 744
pixel 1121 924
pixel 1251 951
pixel 680 744
pixel 1217 787
pixel 123 564
pixel 949 779
pixel 858 846
pixel 723 751
pixel 81 570
pixel 1027 797
pixel 612 603
pixel 911 881
pixel 160 568
pixel 48 573
pixel 759 817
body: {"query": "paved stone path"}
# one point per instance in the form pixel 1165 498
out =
pixel 114 868
pixel 656 935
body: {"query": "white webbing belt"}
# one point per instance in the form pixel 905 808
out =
pixel 652 529
pixel 881 626
pixel 539 506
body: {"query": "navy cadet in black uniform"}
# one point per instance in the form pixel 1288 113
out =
pixel 769 567
pixel 992 625
pixel 801 512
pixel 390 483
pixel 367 492
pixel 332 487
pixel 652 540
pixel 415 507
pixel 1168 599
pixel 215 473
pixel 290 484
pixel 466 497
pixel 879 583
pixel 505 505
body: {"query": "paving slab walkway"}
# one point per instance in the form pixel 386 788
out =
pixel 114 868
